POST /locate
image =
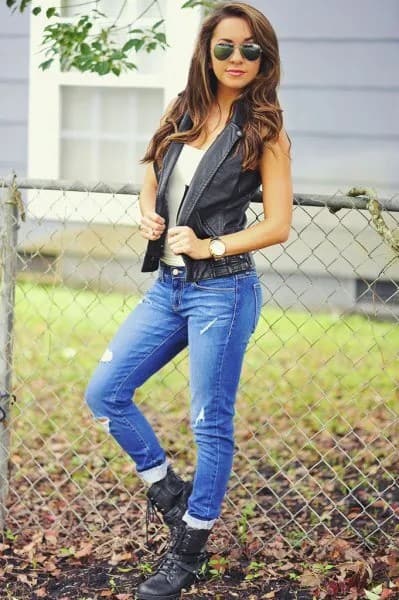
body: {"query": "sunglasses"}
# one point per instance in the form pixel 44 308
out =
pixel 250 51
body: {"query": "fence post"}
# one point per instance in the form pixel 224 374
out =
pixel 8 265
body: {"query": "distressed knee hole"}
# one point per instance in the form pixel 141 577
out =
pixel 208 326
pixel 200 417
pixel 104 421
pixel 107 356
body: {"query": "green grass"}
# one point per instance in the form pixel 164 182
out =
pixel 318 367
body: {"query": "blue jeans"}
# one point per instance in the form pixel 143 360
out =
pixel 215 318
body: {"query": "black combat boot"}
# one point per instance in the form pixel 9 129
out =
pixel 179 567
pixel 169 496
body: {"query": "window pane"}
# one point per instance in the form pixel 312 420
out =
pixel 75 159
pixel 115 110
pixel 105 131
pixel 76 108
pixel 148 111
pixel 112 161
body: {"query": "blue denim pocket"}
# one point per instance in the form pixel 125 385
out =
pixel 216 284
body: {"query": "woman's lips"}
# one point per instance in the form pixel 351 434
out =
pixel 234 72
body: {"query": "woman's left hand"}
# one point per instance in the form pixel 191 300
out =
pixel 182 240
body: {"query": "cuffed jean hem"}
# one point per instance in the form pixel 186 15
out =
pixel 154 474
pixel 197 523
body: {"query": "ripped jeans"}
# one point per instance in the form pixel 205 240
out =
pixel 216 318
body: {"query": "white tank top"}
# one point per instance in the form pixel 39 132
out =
pixel 178 183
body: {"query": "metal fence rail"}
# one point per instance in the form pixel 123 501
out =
pixel 317 412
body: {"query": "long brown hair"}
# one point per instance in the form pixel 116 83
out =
pixel 263 115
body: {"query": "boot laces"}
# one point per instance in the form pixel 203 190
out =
pixel 168 565
pixel 172 561
pixel 150 514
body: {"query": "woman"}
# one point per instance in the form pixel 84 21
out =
pixel 218 141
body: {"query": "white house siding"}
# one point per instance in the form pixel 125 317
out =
pixel 340 91
pixel 14 85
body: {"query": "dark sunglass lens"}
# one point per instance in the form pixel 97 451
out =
pixel 223 51
pixel 251 51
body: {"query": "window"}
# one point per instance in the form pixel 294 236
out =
pixel 105 131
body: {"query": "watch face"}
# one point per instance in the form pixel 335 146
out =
pixel 218 247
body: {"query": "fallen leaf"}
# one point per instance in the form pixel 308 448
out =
pixel 286 567
pixel 51 537
pixel 24 579
pixel 117 558
pixel 85 550
pixel 393 562
pixel 50 566
pixel 310 579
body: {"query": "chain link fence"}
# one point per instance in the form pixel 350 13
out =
pixel 317 422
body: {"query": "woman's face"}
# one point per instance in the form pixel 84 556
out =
pixel 235 72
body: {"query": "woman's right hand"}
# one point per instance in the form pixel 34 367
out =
pixel 151 225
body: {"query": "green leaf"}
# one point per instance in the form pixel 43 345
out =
pixel 37 10
pixel 116 70
pixel 193 3
pixel 157 24
pixel 83 65
pixel 23 5
pixel 9 535
pixel 11 3
pixel 50 12
pixel 67 551
pixel 85 48
pixel 46 64
pixel 103 67
pixel 117 55
pixel 374 594
pixel 130 44
pixel 161 37
pixel 83 19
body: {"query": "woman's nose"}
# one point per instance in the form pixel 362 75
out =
pixel 236 56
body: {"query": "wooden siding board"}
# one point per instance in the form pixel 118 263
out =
pixel 341 19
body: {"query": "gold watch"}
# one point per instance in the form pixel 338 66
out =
pixel 217 247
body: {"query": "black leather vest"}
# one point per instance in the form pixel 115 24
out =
pixel 215 202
